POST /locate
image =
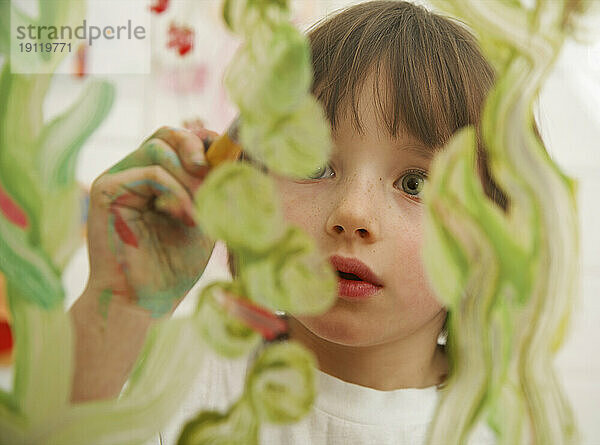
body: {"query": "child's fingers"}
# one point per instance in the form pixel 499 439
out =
pixel 197 127
pixel 158 152
pixel 147 188
pixel 207 136
pixel 188 145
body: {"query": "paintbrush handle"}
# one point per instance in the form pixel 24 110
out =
pixel 225 147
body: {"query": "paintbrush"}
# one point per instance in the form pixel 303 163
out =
pixel 224 148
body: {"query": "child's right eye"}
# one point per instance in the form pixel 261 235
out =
pixel 322 173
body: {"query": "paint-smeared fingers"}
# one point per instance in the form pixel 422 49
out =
pixel 197 127
pixel 156 151
pixel 189 146
pixel 149 188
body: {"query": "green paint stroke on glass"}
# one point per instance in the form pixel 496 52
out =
pixel 37 167
pixel 278 267
pixel 281 383
pixel 37 162
pixel 237 426
pixel 222 331
pixel 291 277
pixel 280 389
pixel 162 378
pixel 238 204
pixel 508 279
pixel 269 79
pixel 37 171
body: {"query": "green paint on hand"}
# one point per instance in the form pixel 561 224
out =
pixel 104 301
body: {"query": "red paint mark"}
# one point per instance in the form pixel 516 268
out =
pixel 159 6
pixel 123 230
pixel 256 317
pixel 124 199
pixel 181 38
pixel 12 211
pixel 200 76
pixel 188 220
pixel 81 60
pixel 6 338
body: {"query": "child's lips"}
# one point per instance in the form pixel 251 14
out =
pixel 355 290
pixel 355 279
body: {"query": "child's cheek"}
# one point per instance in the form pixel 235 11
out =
pixel 297 206
pixel 408 257
pixel 292 208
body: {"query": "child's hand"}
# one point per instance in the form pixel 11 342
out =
pixel 144 245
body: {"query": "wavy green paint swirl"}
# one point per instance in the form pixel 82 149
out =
pixel 509 279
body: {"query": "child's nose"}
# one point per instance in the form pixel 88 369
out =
pixel 360 232
pixel 354 217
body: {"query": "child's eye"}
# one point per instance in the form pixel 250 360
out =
pixel 324 172
pixel 412 182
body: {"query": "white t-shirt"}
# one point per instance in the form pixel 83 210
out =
pixel 343 413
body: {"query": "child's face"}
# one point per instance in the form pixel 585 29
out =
pixel 371 192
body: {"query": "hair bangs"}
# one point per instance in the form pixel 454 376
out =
pixel 416 65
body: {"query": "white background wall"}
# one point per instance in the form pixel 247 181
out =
pixel 569 115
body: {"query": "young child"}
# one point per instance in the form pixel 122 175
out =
pixel 396 82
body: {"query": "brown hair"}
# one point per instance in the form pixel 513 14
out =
pixel 430 77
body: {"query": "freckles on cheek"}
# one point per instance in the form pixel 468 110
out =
pixel 289 206
pixel 292 209
pixel 294 206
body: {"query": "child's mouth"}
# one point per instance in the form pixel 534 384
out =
pixel 351 287
pixel 348 276
pixel 356 280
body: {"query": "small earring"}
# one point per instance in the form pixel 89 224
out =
pixel 443 337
